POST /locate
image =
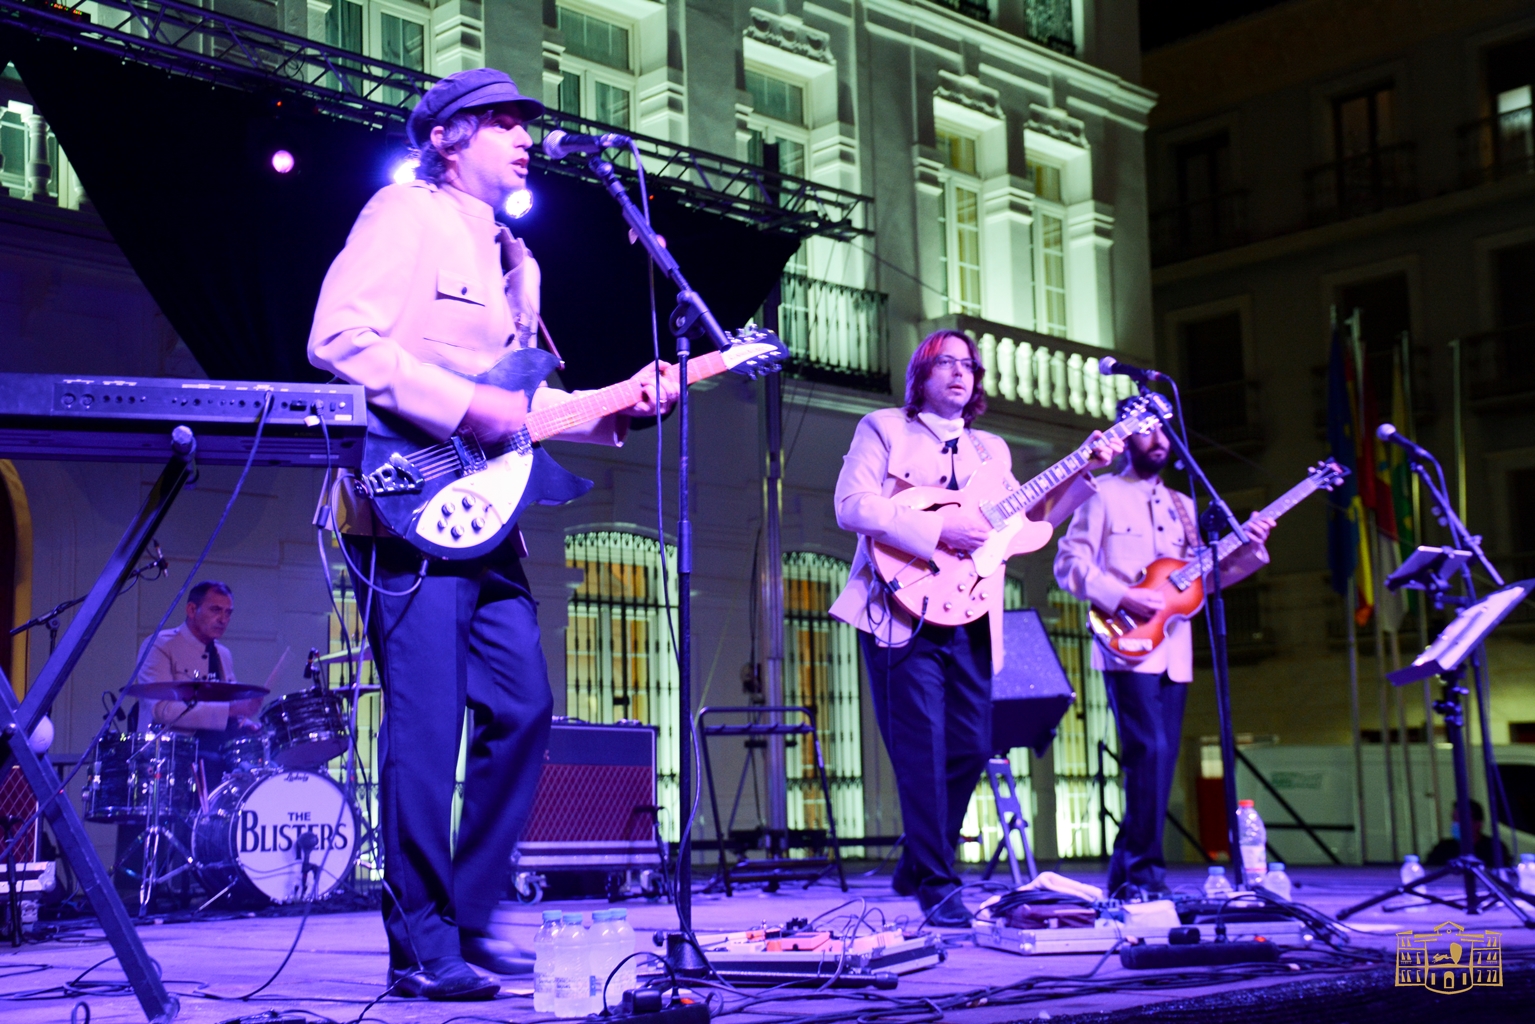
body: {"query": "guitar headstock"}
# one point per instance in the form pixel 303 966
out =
pixel 754 352
pixel 1144 413
pixel 1327 474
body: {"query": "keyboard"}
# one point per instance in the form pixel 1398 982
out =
pixel 115 419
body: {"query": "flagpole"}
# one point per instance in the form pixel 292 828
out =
pixel 1349 605
pixel 1399 389
pixel 1411 428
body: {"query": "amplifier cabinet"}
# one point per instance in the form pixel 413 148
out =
pixel 596 802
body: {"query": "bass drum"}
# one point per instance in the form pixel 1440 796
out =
pixel 286 836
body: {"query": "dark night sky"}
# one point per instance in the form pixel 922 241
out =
pixel 1167 21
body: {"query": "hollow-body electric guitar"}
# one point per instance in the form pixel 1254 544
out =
pixel 1182 583
pixel 950 589
pixel 458 499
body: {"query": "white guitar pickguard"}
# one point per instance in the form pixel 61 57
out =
pixel 991 556
pixel 488 497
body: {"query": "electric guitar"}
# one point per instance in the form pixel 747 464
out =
pixel 1182 583
pixel 459 498
pixel 950 589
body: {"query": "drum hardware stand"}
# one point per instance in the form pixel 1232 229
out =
pixel 149 840
pixel 18 720
pixel 12 879
pixel 1010 815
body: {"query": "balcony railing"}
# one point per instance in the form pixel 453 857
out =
pixel 1039 371
pixel 835 333
pixel 1226 413
pixel 978 10
pixel 1501 146
pixel 1358 185
pixel 1497 366
pixel 1193 229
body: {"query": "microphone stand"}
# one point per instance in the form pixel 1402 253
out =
pixel 1420 459
pixel 1217 514
pixel 691 319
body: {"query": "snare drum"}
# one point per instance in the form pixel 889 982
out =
pixel 308 728
pixel 136 775
pixel 287 836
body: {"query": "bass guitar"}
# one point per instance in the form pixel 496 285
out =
pixel 950 589
pixel 1182 583
pixel 459 498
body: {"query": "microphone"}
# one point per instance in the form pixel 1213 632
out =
pixel 160 561
pixel 1388 433
pixel 559 144
pixel 1109 366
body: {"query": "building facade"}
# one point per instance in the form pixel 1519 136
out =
pixel 1002 146
pixel 1345 156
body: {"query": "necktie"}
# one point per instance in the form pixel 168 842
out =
pixel 952 447
pixel 215 665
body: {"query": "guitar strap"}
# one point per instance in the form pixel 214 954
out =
pixel 1192 540
pixel 980 449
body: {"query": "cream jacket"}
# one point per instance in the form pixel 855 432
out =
pixel 1126 526
pixel 418 301
pixel 889 454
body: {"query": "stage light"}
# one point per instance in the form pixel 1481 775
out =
pixel 405 171
pixel 282 161
pixel 519 203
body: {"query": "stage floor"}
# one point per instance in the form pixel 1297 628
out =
pixel 339 967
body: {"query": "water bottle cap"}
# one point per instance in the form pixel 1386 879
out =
pixel 619 914
pixel 1244 803
pixel 554 915
pixel 1276 866
pixel 1411 858
pixel 1527 858
pixel 599 915
pixel 1216 869
pixel 572 918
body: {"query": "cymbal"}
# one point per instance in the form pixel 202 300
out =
pixel 197 690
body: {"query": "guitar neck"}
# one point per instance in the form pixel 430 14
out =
pixel 1034 491
pixel 1229 543
pixel 594 405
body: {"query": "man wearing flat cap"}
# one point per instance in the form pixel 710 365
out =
pixel 430 291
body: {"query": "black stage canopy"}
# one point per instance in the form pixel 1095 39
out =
pixel 180 172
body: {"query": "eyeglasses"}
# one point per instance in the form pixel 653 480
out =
pixel 947 364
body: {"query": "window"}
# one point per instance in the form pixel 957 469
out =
pixel 1050 245
pixel 1203 176
pixel 619 658
pixel 343 25
pixel 385 34
pixel 821 673
pixel 1513 273
pixel 1216 374
pixel 594 71
pixel 1371 168
pixel 401 42
pixel 1510 81
pixel 959 218
pixel 1385 315
pixel 777 140
pixel 1363 123
pixel 775 98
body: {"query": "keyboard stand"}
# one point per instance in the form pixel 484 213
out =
pixel 18 721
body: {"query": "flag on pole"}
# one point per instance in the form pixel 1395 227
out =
pixel 1342 523
pixel 1362 416
pixel 1400 474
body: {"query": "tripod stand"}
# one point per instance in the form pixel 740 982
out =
pixel 1446 657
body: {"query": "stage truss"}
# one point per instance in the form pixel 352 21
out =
pixel 205 44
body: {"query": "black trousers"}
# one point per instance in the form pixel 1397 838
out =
pixel 932 699
pixel 466 640
pixel 1148 712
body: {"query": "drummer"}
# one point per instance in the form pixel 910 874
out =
pixel 191 652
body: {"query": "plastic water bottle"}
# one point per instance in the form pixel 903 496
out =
pixel 1412 871
pixel 1252 838
pixel 623 944
pixel 1526 872
pixel 1277 882
pixel 544 961
pixel 572 969
pixel 604 958
pixel 1217 887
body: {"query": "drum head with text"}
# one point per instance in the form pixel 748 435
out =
pixel 282 818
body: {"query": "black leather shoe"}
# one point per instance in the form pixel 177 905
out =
pixel 945 909
pixel 445 979
pixel 495 955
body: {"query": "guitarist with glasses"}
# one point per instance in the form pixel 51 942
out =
pixel 931 683
pixel 1133 520
pixel 429 292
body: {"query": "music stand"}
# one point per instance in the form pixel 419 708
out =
pixel 1429 569
pixel 1445 658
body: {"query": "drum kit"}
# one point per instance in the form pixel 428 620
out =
pixel 276 828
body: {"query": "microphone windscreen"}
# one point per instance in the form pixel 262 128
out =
pixel 551 143
pixel 1385 431
pixel 1106 366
